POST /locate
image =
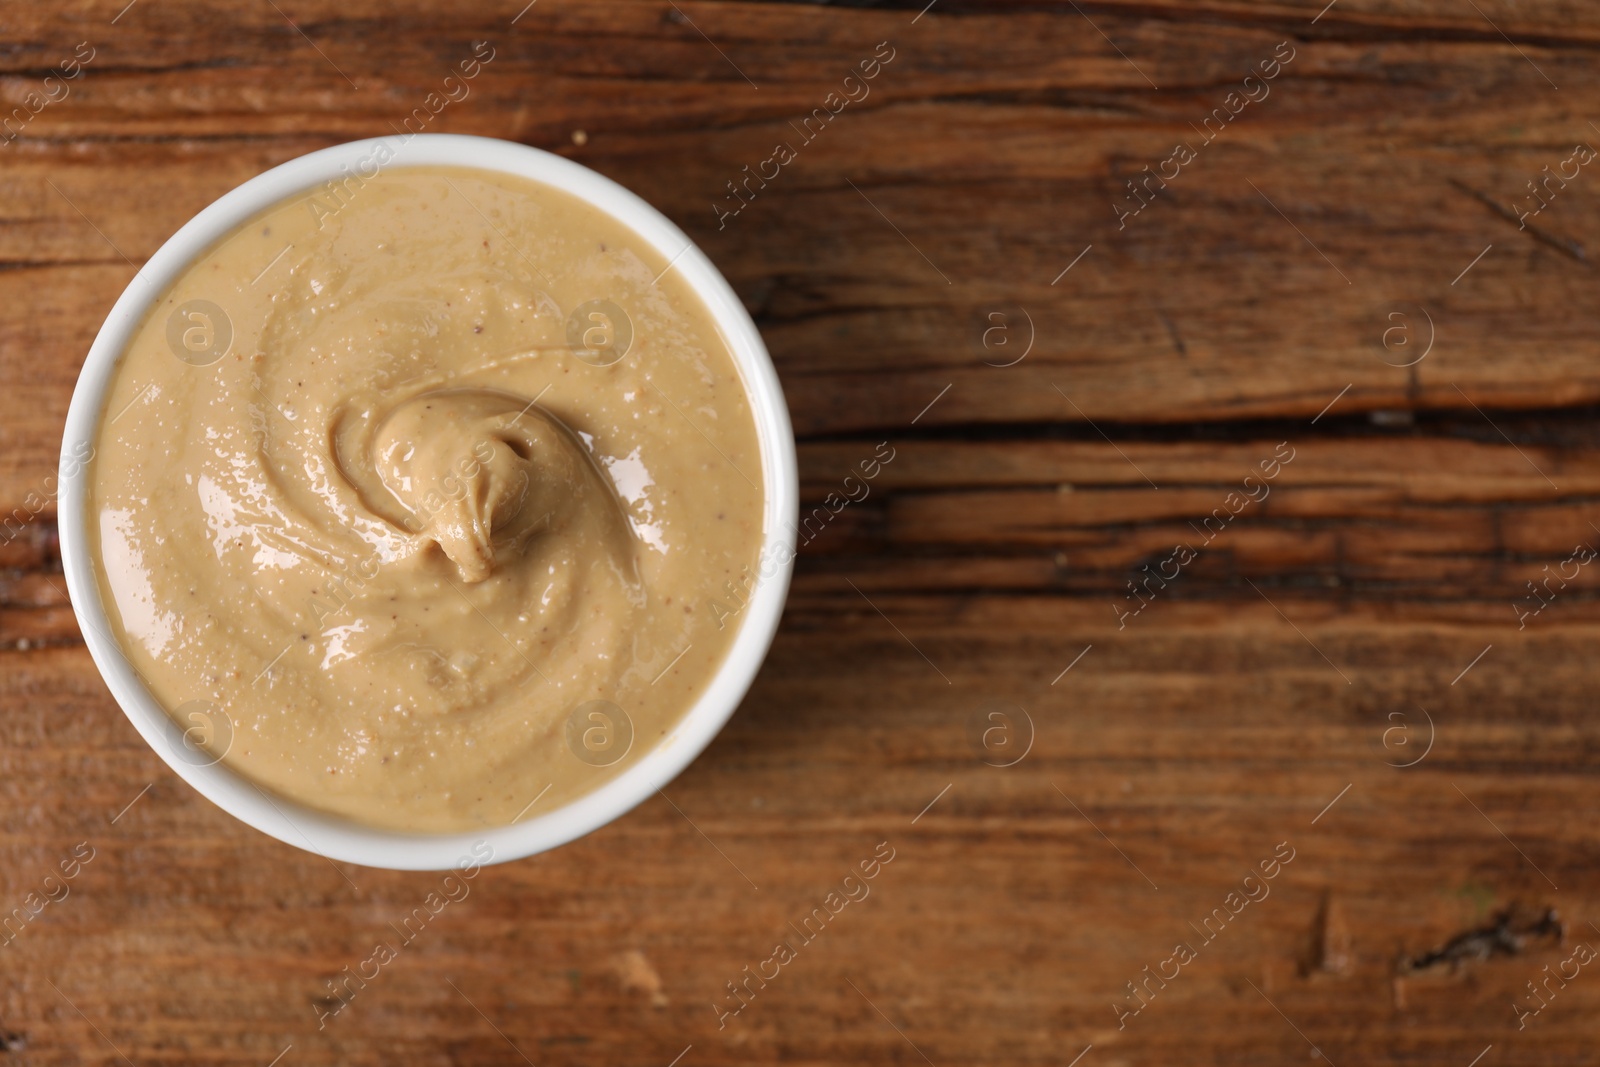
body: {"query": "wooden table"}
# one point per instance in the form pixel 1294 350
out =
pixel 1324 343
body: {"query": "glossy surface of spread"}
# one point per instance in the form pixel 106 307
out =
pixel 416 499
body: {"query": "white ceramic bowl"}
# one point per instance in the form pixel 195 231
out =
pixel 329 835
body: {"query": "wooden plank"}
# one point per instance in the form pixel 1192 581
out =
pixel 1047 920
pixel 1398 158
pixel 1377 518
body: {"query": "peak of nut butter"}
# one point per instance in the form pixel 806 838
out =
pixel 475 475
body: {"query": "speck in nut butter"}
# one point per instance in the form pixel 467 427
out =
pixel 413 496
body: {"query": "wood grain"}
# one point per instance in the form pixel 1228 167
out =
pixel 1370 607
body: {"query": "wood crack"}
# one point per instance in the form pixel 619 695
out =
pixel 1507 934
pixel 1296 20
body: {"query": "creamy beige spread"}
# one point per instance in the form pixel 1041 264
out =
pixel 415 499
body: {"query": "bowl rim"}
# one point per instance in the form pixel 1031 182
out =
pixel 331 836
